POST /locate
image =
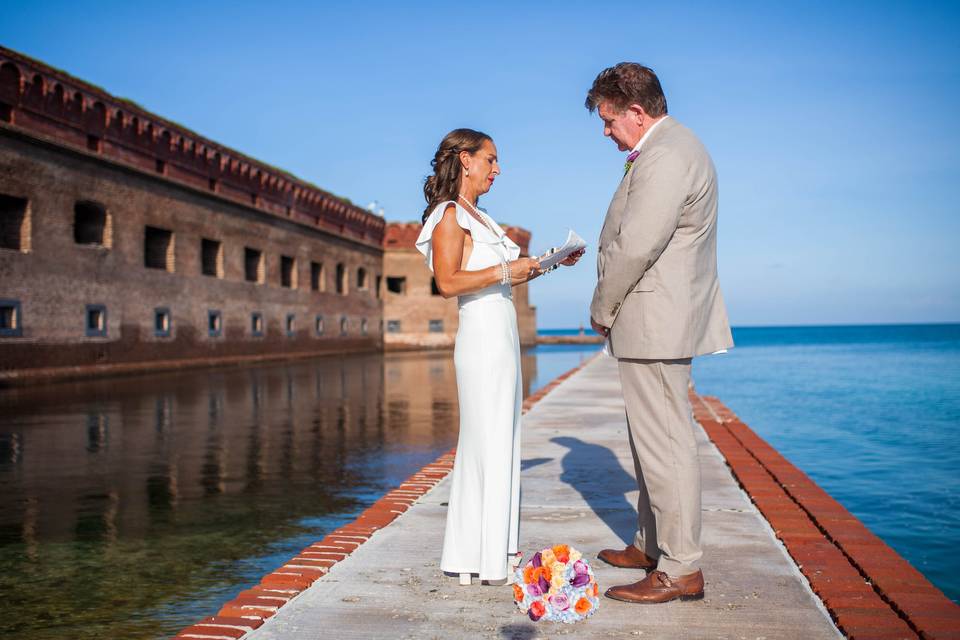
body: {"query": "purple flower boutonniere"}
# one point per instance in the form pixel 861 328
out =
pixel 629 163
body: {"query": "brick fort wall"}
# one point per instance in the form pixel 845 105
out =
pixel 125 238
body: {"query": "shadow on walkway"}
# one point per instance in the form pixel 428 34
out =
pixel 518 632
pixel 529 463
pixel 597 475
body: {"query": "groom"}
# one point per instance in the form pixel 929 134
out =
pixel 658 301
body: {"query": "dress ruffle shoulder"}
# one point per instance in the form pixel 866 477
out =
pixel 478 231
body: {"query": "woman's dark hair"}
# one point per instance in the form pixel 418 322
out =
pixel 444 184
pixel 625 84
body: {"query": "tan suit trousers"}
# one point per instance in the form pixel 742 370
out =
pixel 664 449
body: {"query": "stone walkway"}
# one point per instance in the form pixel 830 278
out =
pixel 578 488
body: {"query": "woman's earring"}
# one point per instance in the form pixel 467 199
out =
pixel 466 171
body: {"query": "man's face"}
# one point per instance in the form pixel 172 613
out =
pixel 623 127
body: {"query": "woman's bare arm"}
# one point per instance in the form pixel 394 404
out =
pixel 448 245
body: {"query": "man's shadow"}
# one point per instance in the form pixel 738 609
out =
pixel 598 476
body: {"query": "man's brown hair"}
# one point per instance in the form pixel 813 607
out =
pixel 625 84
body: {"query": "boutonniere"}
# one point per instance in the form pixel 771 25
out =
pixel 629 163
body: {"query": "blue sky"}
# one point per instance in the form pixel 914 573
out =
pixel 833 125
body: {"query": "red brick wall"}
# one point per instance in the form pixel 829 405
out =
pixel 56 277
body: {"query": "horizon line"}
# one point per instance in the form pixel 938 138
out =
pixel 798 326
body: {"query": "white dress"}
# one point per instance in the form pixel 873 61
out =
pixel 483 516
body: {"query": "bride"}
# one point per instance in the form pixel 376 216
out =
pixel 472 258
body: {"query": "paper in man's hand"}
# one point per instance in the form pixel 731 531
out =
pixel 573 243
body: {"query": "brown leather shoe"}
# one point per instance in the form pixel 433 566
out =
pixel 658 587
pixel 629 558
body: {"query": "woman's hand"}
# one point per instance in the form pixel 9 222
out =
pixel 572 259
pixel 524 269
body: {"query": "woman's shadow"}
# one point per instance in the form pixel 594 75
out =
pixel 598 476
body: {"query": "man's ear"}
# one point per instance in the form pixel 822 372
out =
pixel 637 112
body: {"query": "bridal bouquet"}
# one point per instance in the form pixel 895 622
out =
pixel 556 584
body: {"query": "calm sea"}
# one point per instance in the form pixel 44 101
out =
pixel 870 413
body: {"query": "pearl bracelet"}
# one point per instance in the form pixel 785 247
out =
pixel 504 273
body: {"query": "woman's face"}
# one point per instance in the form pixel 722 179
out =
pixel 482 167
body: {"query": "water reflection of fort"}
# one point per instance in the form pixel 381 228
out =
pixel 157 486
pixel 102 459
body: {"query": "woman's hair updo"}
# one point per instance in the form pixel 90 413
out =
pixel 444 184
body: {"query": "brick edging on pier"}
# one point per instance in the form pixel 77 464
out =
pixel 868 588
pixel 251 607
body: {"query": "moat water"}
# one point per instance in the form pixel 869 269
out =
pixel 132 507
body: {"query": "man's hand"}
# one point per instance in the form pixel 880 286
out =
pixel 571 259
pixel 599 328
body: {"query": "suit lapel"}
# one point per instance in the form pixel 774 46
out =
pixel 660 130
pixel 611 213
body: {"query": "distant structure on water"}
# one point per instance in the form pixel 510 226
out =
pixel 128 242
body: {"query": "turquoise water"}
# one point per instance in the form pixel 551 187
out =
pixel 870 413
pixel 565 332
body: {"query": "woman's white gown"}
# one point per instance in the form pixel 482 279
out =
pixel 483 516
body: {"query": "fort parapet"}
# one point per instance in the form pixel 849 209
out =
pixel 54 106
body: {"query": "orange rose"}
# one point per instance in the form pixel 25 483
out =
pixel 528 574
pixel 517 593
pixel 583 605
pixel 541 571
pixel 562 552
pixel 538 608
pixel 596 589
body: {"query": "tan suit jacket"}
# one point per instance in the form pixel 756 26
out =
pixel 657 285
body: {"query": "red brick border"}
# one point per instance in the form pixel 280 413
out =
pixel 251 607
pixel 869 590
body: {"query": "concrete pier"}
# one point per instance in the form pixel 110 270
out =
pixel 578 488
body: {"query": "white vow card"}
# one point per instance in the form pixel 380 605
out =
pixel 573 243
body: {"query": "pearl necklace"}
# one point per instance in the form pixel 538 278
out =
pixel 475 213
pixel 504 267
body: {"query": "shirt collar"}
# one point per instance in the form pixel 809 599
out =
pixel 646 134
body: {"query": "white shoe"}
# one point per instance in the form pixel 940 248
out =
pixel 465 579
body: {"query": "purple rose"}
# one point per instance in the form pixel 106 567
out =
pixel 534 590
pixel 532 615
pixel 579 580
pixel 560 602
pixel 544 585
pixel 580 567
pixel 536 559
